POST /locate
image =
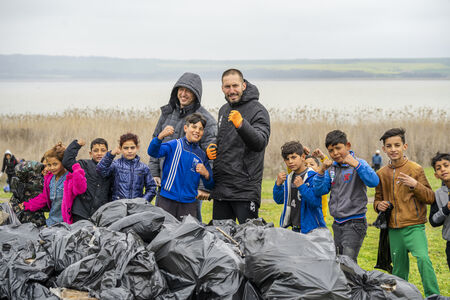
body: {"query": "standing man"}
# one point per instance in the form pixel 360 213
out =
pixel 376 161
pixel 185 99
pixel 243 134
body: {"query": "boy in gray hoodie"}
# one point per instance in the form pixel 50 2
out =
pixel 346 179
pixel 440 209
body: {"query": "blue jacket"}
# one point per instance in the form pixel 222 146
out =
pixel 311 215
pixel 130 177
pixel 180 180
pixel 376 159
pixel 348 197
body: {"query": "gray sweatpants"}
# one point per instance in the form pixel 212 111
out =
pixel 349 236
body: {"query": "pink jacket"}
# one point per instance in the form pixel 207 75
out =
pixel 74 185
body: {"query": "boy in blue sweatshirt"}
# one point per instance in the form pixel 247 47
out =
pixel 184 165
pixel 346 179
pixel 302 208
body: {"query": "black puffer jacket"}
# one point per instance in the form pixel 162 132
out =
pixel 9 164
pixel 238 169
pixel 98 190
pixel 173 115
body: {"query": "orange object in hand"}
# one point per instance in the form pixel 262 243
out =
pixel 236 118
pixel 211 151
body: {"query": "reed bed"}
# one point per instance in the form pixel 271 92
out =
pixel 28 136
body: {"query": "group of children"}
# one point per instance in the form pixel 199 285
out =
pixel 401 185
pixel 73 189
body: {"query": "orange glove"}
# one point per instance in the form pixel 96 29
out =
pixel 211 151
pixel 236 118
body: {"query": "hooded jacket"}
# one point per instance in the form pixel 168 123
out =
pixel 9 164
pixel 311 215
pixel 172 114
pixel 410 205
pixel 130 177
pixel 439 212
pixel 238 168
pixel 98 190
pixel 75 184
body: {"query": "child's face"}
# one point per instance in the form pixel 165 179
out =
pixel 311 163
pixel 339 151
pixel 8 156
pixel 295 162
pixel 129 149
pixel 97 152
pixel 442 170
pixel 194 132
pixel 55 166
pixel 394 148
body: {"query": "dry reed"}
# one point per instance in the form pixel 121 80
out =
pixel 29 136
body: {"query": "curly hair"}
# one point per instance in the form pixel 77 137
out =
pixel 127 137
pixel 56 151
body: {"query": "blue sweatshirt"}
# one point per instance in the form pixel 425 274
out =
pixel 180 180
pixel 348 197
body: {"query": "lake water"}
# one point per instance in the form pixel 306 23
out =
pixel 57 96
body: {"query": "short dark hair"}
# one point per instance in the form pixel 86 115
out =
pixel 313 157
pixel 195 118
pixel 127 137
pixel 393 132
pixel 335 137
pixel 233 71
pixel 291 148
pixel 439 157
pixel 99 141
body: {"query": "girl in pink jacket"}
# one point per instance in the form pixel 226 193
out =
pixel 60 188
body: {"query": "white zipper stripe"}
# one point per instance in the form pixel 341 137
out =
pixel 173 167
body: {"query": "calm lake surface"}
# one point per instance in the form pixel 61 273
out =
pixel 56 96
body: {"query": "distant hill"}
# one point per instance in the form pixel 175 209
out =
pixel 67 67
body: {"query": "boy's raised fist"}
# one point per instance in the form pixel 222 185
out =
pixel 281 177
pixel 298 181
pixel 167 131
pixel 325 165
pixel 318 153
pixel 350 160
pixel 81 142
pixel 236 118
pixel 201 169
pixel 116 150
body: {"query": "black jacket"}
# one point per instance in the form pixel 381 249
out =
pixel 98 190
pixel 238 168
pixel 9 164
pixel 173 115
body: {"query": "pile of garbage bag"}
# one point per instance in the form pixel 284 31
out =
pixel 131 249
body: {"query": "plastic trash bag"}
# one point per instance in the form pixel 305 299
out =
pixel 288 265
pixel 376 285
pixel 384 260
pixel 11 218
pixel 197 264
pixel 120 262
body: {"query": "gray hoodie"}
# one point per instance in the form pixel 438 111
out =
pixel 439 213
pixel 172 114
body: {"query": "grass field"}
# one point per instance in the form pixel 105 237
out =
pixel 270 211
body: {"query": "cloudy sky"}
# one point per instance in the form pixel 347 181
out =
pixel 234 29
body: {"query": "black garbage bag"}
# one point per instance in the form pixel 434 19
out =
pixel 68 244
pixel 15 237
pixel 197 264
pixel 287 265
pixel 146 224
pixel 250 292
pixel 25 268
pixel 376 285
pixel 114 211
pixel 121 262
pixel 437 297
pixel 384 260
pixel 8 216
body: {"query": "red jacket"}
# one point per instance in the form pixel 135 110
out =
pixel 74 185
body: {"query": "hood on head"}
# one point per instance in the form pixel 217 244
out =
pixel 8 152
pixel 249 94
pixel 188 80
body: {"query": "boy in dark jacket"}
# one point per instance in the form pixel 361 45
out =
pixel 404 185
pixel 98 188
pixel 185 164
pixel 302 208
pixel 346 179
pixel 131 176
pixel 440 209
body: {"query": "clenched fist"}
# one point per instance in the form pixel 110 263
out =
pixel 211 151
pixel 200 168
pixel 236 118
pixel 167 131
pixel 281 177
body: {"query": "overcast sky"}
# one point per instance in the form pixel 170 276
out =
pixel 235 29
